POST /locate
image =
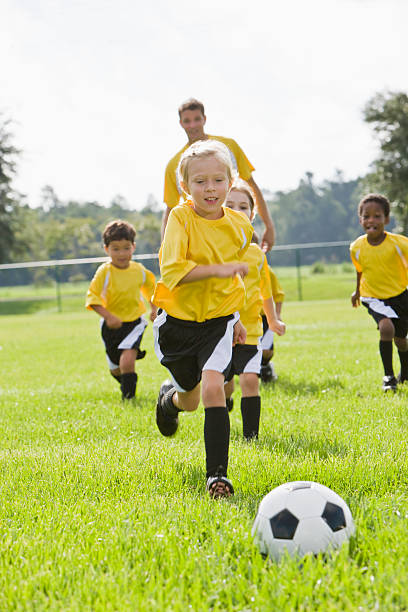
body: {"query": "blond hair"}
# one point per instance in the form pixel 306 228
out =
pixel 200 150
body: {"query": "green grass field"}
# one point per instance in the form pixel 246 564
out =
pixel 99 512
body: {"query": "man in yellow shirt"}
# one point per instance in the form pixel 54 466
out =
pixel 192 120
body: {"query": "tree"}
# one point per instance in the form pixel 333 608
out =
pixel 9 199
pixel 388 114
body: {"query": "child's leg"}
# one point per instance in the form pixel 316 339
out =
pixel 116 374
pixel 266 356
pixel 170 403
pixel 229 390
pixel 402 346
pixel 387 333
pixel 250 404
pixel 128 376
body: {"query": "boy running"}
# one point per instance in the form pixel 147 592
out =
pixel 268 373
pixel 380 259
pixel 115 294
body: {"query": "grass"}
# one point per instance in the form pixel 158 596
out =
pixel 99 512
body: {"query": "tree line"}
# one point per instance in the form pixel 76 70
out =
pixel 312 212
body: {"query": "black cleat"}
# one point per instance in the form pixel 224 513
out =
pixel 229 403
pixel 166 423
pixel 389 383
pixel 268 374
pixel 401 378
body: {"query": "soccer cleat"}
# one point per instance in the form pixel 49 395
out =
pixel 267 373
pixel 401 378
pixel 219 486
pixel 229 403
pixel 166 423
pixel 389 383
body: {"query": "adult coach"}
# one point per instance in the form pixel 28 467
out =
pixel 192 120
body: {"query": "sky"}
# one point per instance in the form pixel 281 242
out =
pixel 92 87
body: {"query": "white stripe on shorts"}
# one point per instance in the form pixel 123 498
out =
pixel 157 323
pixel 267 340
pixel 379 306
pixel 254 364
pixel 221 355
pixel 134 335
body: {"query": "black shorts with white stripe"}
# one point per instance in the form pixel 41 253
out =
pixel 267 337
pixel 394 308
pixel 246 358
pixel 186 348
pixel 128 336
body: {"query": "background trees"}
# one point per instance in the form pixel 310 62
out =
pixel 9 199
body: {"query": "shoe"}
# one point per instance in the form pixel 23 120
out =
pixel 229 403
pixel 389 383
pixel 268 374
pixel 166 423
pixel 219 486
pixel 401 379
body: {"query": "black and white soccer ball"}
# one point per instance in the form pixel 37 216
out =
pixel 300 518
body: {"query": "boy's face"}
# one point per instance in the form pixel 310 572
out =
pixel 239 201
pixel 193 122
pixel 208 185
pixel 373 220
pixel 120 252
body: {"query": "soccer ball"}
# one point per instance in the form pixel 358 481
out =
pixel 300 518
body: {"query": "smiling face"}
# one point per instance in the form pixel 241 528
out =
pixel 239 201
pixel 193 122
pixel 208 185
pixel 373 220
pixel 120 252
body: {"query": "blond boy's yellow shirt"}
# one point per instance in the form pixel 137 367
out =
pixel 120 290
pixel 383 267
pixel 258 288
pixel 191 240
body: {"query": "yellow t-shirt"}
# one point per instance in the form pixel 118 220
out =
pixel 383 267
pixel 191 240
pixel 172 189
pixel 118 290
pixel 258 288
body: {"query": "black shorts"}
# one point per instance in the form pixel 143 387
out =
pixel 267 337
pixel 128 336
pixel 394 308
pixel 186 348
pixel 246 358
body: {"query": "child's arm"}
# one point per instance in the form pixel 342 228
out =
pixel 274 323
pixel 153 311
pixel 355 296
pixel 240 334
pixel 201 272
pixel 278 308
pixel 112 320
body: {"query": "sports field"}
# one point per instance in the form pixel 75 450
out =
pixel 99 512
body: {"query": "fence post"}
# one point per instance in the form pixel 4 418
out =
pixel 299 276
pixel 57 279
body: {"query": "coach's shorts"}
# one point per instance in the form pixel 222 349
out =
pixel 246 358
pixel 186 348
pixel 267 338
pixel 128 336
pixel 394 308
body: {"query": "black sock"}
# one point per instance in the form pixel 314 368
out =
pixel 167 403
pixel 117 377
pixel 216 439
pixel 265 360
pixel 386 356
pixel 251 411
pixel 128 385
pixel 403 355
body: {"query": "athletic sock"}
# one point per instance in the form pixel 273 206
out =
pixel 128 385
pixel 216 439
pixel 265 360
pixel 403 355
pixel 386 356
pixel 117 377
pixel 167 404
pixel 251 411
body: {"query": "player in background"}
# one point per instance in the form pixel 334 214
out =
pixel 199 295
pixel 115 294
pixel 192 120
pixel 246 356
pixel 268 373
pixel 380 259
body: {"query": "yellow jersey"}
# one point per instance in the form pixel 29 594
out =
pixel 258 288
pixel 119 290
pixel 383 267
pixel 172 189
pixel 189 241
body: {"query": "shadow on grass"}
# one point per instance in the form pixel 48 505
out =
pixel 302 387
pixel 301 444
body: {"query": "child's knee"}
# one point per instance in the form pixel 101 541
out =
pixel 249 384
pixel 387 329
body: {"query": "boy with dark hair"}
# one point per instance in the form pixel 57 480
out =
pixel 115 294
pixel 192 120
pixel 380 259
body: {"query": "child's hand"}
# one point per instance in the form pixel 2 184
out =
pixel 113 322
pixel 153 312
pixel 355 299
pixel 240 334
pixel 231 269
pixel 279 327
